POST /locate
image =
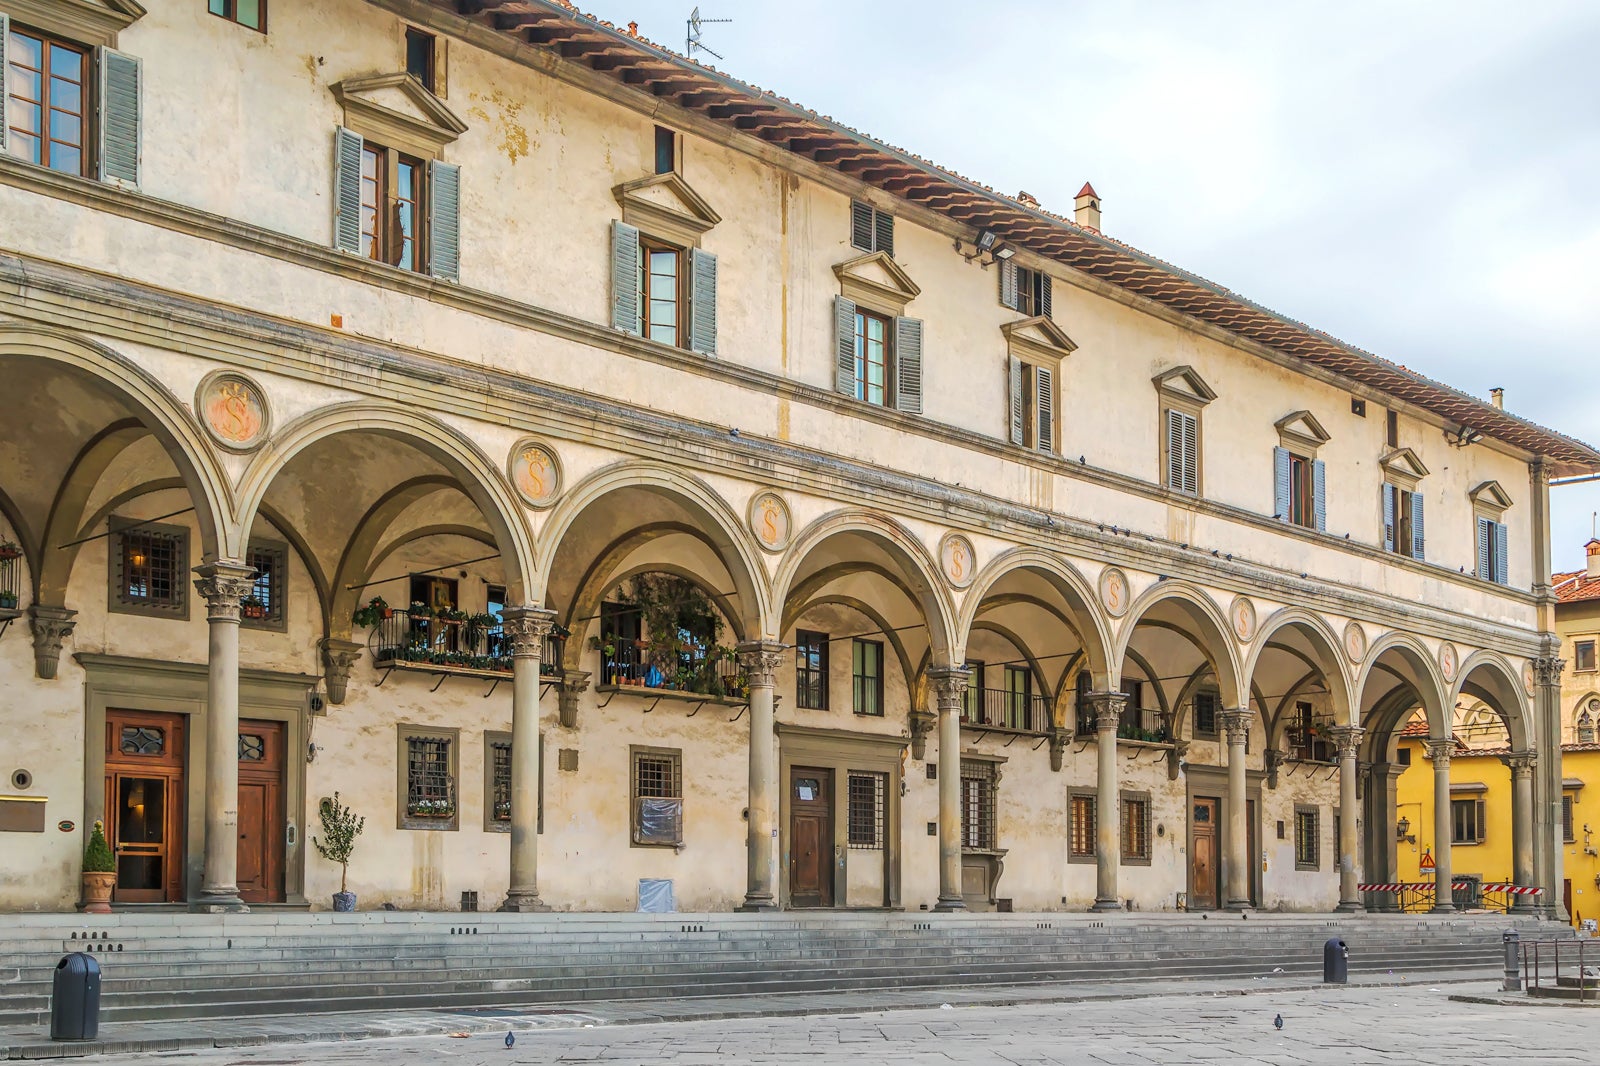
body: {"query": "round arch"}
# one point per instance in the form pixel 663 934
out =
pixel 919 571
pixel 479 477
pixel 1327 656
pixel 1092 630
pixel 1500 686
pixel 1214 638
pixel 1430 687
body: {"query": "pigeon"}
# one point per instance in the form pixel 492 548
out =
pixel 511 1038
pixel 1277 1023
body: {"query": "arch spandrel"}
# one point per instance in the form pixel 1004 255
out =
pixel 1489 676
pixel 1323 653
pixel 1416 668
pixel 1088 622
pixel 1213 637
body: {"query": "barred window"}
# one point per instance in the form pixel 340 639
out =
pixel 1083 827
pixel 149 569
pixel 977 805
pixel 1566 820
pixel 1307 838
pixel 657 797
pixel 263 607
pixel 429 769
pixel 811 670
pixel 500 781
pixel 867 677
pixel 867 791
pixel 1135 829
pixel 1205 715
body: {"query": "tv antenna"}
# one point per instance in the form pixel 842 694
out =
pixel 691 41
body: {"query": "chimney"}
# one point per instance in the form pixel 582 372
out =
pixel 1498 398
pixel 1592 550
pixel 1086 210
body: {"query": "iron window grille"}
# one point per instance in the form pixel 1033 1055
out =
pixel 1205 715
pixel 657 797
pixel 1084 828
pixel 1307 842
pixel 143 740
pixel 1135 829
pixel 252 747
pixel 500 782
pixel 264 606
pixel 977 806
pixel 811 670
pixel 150 564
pixel 430 780
pixel 867 791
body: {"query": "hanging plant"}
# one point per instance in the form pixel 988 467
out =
pixel 681 626
pixel 376 610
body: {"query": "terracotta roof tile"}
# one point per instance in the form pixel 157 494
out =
pixel 1575 587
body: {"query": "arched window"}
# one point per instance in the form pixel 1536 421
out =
pixel 1586 722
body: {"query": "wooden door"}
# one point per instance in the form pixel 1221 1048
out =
pixel 1204 883
pixel 810 837
pixel 261 814
pixel 145 804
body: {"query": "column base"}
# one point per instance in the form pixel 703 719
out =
pixel 757 903
pixel 1239 906
pixel 949 905
pixel 523 903
pixel 1443 908
pixel 222 901
pixel 1349 906
pixel 1106 905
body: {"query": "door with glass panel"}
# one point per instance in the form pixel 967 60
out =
pixel 144 804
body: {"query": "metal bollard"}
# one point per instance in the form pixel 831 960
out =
pixel 1335 962
pixel 1512 940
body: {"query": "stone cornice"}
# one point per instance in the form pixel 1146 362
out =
pixel 113 307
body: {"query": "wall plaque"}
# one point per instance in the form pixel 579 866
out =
pixel 233 410
pixel 770 521
pixel 535 472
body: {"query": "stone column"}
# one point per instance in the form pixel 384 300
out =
pixel 1443 825
pixel 1236 724
pixel 524 629
pixel 950 689
pixel 759 660
pixel 1522 765
pixel 1107 709
pixel 1549 847
pixel 1348 739
pixel 224 584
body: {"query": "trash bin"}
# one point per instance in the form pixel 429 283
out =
pixel 1335 962
pixel 1513 944
pixel 75 998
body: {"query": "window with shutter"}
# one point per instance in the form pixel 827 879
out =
pixel 871 230
pixel 703 302
pixel 908 365
pixel 1501 558
pixel 625 267
pixel 444 221
pixel 1402 521
pixel 121 102
pixel 1017 391
pixel 844 342
pixel 1182 440
pixel 1008 284
pixel 384 209
pixel 1044 402
pixel 44 109
pixel 1417 540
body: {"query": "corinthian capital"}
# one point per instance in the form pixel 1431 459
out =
pixel 50 627
pixel 1547 669
pixel 1521 763
pixel 949 686
pixel 759 661
pixel 525 628
pixel 1106 709
pixel 1236 724
pixel 1347 739
pixel 1440 751
pixel 224 584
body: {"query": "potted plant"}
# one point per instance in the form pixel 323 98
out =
pixel 376 610
pixel 8 601
pixel 9 549
pixel 340 827
pixel 253 607
pixel 419 611
pixel 452 616
pixel 99 871
pixel 478 626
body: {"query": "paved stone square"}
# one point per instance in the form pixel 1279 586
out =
pixel 1347 1026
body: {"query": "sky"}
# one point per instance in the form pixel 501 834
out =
pixel 1418 178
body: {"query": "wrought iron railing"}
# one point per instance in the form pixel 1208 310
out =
pixel 439 642
pixel 631 663
pixel 998 708
pixel 1543 962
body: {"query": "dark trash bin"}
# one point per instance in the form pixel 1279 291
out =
pixel 1335 962
pixel 75 998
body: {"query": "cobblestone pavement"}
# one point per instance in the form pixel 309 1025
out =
pixel 1418 1023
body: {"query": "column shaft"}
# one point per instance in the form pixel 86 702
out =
pixel 1107 708
pixel 1348 739
pixel 1522 766
pixel 759 660
pixel 1236 724
pixel 1443 825
pixel 524 629
pixel 950 688
pixel 224 584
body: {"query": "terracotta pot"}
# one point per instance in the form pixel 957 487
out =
pixel 97 892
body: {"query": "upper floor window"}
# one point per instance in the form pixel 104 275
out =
pixel 879 357
pixel 1206 705
pixel 150 565
pixel 422 57
pixel 392 190
pixel 1025 290
pixel 46 100
pixel 663 291
pixel 1583 656
pixel 1299 495
pixel 1019 699
pixel 1489 504
pixel 873 364
pixel 251 13
pixel 1403 531
pixel 666 150
pixel 867 677
pixel 811 670
pixel 1567 834
pixel 1466 821
pixel 1585 729
pixel 264 606
pixel 396 207
pixel 871 230
pixel 1033 405
pixel 1184 395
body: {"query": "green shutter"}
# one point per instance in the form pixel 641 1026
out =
pixel 121 99
pixel 625 308
pixel 444 221
pixel 347 148
pixel 844 345
pixel 702 302
pixel 908 365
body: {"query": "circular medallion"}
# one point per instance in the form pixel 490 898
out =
pixel 232 410
pixel 1243 617
pixel 957 559
pixel 1355 642
pixel 535 471
pixel 1448 662
pixel 1115 593
pixel 770 521
pixel 1528 679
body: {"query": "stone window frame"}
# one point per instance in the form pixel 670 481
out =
pixel 1594 654
pixel 987 771
pixel 1191 400
pixel 404 734
pixel 1479 817
pixel 1073 855
pixel 675 756
pixel 277 620
pixel 1128 858
pixel 84 21
pixel 119 603
pixel 1301 850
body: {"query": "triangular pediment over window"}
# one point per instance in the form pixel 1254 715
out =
pixel 1490 499
pixel 877 281
pixel 1037 340
pixel 1403 468
pixel 88 21
pixel 398 111
pixel 1300 429
pixel 666 206
pixel 1182 383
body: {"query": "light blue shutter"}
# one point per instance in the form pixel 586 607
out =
pixel 1388 517
pixel 5 33
pixel 703 302
pixel 1019 417
pixel 1417 539
pixel 347 148
pixel 908 365
pixel 1319 495
pixel 1046 300
pixel 1485 547
pixel 121 101
pixel 1008 284
pixel 1500 555
pixel 1044 393
pixel 844 345
pixel 444 221
pixel 1282 478
pixel 625 279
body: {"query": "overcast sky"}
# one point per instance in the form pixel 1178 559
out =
pixel 1421 179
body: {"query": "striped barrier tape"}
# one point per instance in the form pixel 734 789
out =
pixel 1416 886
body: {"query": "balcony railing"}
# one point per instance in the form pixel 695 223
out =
pixel 1135 723
pixel 436 642
pixel 998 708
pixel 631 664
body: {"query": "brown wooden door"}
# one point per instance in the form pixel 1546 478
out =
pixel 145 804
pixel 810 837
pixel 1204 883
pixel 261 815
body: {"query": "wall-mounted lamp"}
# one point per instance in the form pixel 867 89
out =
pixel 986 249
pixel 1460 438
pixel 1402 831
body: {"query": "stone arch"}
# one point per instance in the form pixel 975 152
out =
pixel 1214 639
pixel 1429 686
pixel 1088 623
pixel 1500 686
pixel 918 571
pixel 479 478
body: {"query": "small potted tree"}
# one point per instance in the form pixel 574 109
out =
pixel 340 827
pixel 376 610
pixel 99 871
